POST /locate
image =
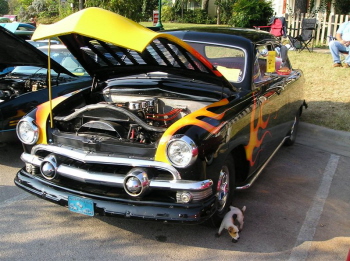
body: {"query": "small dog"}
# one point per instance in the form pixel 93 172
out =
pixel 235 214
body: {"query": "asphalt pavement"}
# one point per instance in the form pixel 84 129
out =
pixel 298 209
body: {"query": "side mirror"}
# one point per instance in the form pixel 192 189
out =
pixel 264 52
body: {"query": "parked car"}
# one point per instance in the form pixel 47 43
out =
pixel 22 30
pixel 172 125
pixel 5 20
pixel 43 42
pixel 25 86
pixel 34 43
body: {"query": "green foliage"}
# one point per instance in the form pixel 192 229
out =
pixel 178 13
pixel 226 10
pixel 148 7
pixel 342 6
pixel 137 10
pixel 4 7
pixel 248 13
pixel 324 6
pixel 169 13
pixel 48 11
pixel 25 3
pixel 44 10
pixel 197 16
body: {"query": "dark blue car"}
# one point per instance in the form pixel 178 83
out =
pixel 25 87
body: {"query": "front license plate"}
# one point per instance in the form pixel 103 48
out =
pixel 81 205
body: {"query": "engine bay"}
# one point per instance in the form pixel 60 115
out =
pixel 126 118
pixel 13 85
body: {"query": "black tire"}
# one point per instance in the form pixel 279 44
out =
pixel 293 132
pixel 224 192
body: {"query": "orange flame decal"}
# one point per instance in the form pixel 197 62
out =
pixel 15 119
pixel 43 112
pixel 254 141
pixel 190 119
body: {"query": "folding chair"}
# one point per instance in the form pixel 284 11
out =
pixel 300 42
pixel 276 26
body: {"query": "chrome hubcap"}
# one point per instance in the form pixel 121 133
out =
pixel 223 188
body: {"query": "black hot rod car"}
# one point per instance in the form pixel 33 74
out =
pixel 172 125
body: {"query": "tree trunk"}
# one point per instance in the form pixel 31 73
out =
pixel 205 5
pixel 218 12
pixel 300 6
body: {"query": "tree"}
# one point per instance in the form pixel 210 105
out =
pixel 300 6
pixel 224 11
pixel 205 5
pixel 4 7
pixel 133 9
pixel 248 13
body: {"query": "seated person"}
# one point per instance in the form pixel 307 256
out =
pixel 341 45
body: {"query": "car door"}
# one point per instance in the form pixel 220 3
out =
pixel 270 108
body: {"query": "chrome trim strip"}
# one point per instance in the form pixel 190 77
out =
pixel 88 157
pixel 99 178
pixel 117 180
pixel 254 177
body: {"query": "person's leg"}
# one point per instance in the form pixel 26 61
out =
pixel 335 47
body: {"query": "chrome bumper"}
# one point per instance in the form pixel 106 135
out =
pixel 201 189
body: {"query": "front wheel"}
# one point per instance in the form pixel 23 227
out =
pixel 224 191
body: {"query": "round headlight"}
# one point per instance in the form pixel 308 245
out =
pixel 181 151
pixel 27 131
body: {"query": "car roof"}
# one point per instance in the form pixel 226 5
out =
pixel 224 35
pixel 15 26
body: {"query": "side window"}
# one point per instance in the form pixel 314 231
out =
pixel 269 59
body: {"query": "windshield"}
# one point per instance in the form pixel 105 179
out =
pixel 62 56
pixel 229 60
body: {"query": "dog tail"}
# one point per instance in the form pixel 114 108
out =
pixel 243 209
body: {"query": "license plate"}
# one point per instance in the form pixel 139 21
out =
pixel 81 205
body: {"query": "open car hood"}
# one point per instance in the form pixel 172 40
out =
pixel 15 51
pixel 108 45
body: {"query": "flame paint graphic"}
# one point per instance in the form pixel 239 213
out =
pixel 190 119
pixel 17 117
pixel 254 141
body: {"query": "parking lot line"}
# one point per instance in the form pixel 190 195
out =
pixel 308 229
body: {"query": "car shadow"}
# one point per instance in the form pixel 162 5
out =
pixel 276 204
pixel 10 154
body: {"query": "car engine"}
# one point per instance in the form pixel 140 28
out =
pixel 12 86
pixel 125 118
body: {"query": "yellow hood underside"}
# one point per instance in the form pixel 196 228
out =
pixel 103 25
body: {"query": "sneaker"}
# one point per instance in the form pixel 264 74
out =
pixel 338 65
pixel 346 65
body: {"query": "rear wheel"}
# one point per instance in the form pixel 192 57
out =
pixel 224 191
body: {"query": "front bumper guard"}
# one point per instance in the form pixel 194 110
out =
pixel 167 212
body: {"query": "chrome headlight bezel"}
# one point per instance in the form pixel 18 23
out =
pixel 188 152
pixel 24 126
